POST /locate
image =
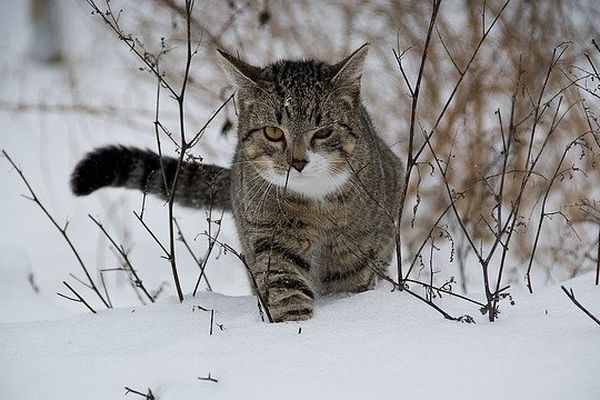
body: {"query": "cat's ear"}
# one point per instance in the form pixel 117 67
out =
pixel 239 72
pixel 347 73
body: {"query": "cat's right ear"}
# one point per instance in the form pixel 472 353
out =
pixel 239 72
pixel 348 72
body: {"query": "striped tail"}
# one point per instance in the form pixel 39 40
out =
pixel 198 185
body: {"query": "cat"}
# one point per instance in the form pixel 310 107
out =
pixel 312 188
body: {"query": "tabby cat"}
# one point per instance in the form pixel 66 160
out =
pixel 312 188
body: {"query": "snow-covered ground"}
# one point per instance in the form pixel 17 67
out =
pixel 380 344
pixel 375 345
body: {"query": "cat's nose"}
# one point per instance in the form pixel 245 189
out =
pixel 299 164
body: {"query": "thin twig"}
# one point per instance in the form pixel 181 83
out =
pixel 137 281
pixel 147 396
pixel 62 230
pixel 105 289
pixel 198 262
pixel 598 258
pixel 164 249
pixel 543 213
pixel 80 299
pixel 180 98
pixel 445 291
pixel 262 304
pixel 411 136
pixel 571 297
pixel 208 378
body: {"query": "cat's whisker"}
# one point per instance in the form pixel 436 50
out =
pixel 267 162
pixel 255 192
pixel 257 183
pixel 263 199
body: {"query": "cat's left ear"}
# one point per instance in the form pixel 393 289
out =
pixel 239 72
pixel 347 73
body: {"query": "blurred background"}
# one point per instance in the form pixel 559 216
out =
pixel 70 85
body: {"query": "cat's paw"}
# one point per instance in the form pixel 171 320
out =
pixel 290 305
pixel 291 315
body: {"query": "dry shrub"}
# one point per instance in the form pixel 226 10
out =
pixel 509 73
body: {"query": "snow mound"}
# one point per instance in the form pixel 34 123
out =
pixel 378 344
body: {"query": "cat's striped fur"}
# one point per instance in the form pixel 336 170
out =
pixel 313 201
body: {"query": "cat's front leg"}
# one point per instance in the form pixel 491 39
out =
pixel 282 272
pixel 349 264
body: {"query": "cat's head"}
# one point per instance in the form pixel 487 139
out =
pixel 299 120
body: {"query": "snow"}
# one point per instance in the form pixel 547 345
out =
pixel 378 344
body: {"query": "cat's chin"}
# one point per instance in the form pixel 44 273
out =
pixel 314 186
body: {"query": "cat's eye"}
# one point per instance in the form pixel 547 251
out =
pixel 323 133
pixel 273 133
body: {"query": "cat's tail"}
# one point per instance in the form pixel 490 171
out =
pixel 198 185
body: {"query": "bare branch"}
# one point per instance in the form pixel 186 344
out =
pixel 137 281
pixel 62 230
pixel 569 293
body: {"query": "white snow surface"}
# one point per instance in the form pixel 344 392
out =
pixel 375 345
pixel 379 344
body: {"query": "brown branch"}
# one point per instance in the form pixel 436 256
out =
pixel 180 98
pixel 198 262
pixel 543 212
pixel 137 281
pixel 569 293
pixel 460 79
pixel 262 304
pixel 447 51
pixel 462 318
pixel 201 131
pixel 79 299
pixel 598 259
pixel 152 63
pixel 105 289
pixel 208 378
pixel 445 291
pixel 148 395
pixel 181 10
pixel 411 135
pixel 164 249
pixel 412 159
pixel 62 230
